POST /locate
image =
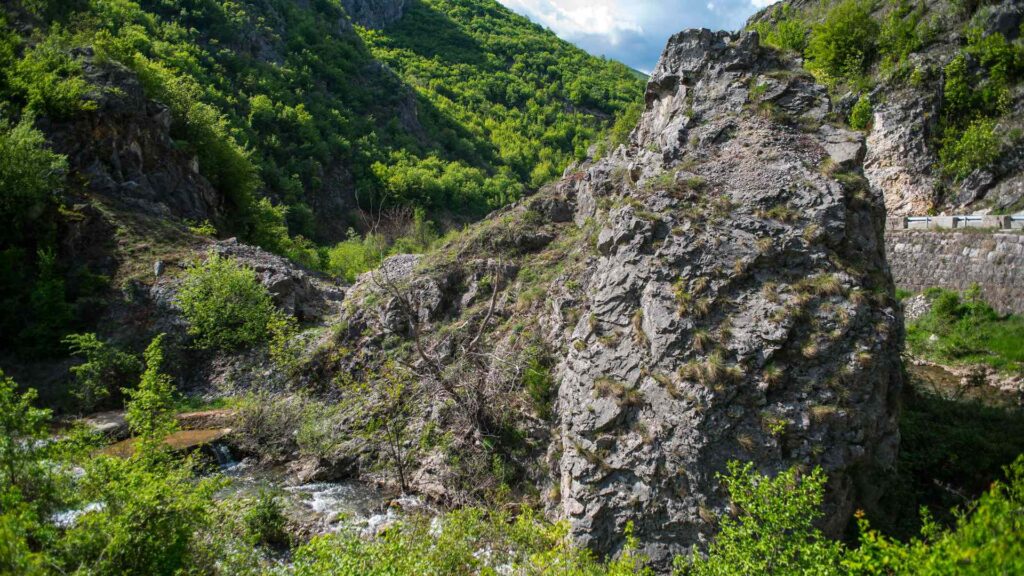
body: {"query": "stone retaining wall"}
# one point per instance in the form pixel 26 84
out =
pixel 956 260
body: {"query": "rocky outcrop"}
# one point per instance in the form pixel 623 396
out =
pixel 958 260
pixel 306 296
pixel 124 149
pixel 740 307
pixel 374 14
pixel 715 290
pixel 900 159
pixel 905 134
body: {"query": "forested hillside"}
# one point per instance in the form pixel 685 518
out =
pixel 288 123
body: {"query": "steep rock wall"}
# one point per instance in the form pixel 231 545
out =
pixel 957 260
pixel 740 307
pixel 715 290
pixel 374 13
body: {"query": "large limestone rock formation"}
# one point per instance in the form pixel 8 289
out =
pixel 715 290
pixel 740 307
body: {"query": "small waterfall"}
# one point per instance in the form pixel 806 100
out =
pixel 223 455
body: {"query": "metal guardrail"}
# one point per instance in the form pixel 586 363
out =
pixel 1015 222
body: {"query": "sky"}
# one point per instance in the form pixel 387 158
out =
pixel 632 31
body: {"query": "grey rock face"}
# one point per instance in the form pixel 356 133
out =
pixel 293 289
pixel 374 14
pixel 740 308
pixel 900 162
pixel 125 151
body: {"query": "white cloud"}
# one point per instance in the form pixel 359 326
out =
pixel 633 31
pixel 576 18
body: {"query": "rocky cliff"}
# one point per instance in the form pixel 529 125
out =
pixel 715 290
pixel 374 13
pixel 913 112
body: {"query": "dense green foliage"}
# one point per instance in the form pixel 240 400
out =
pixel 976 92
pixel 861 114
pixel 785 31
pixel 225 305
pixel 967 331
pixel 526 545
pixel 773 529
pixel 484 104
pixel 774 533
pixel 30 280
pixel 509 84
pixel 844 44
pixel 105 369
pixel 856 43
pixel 950 449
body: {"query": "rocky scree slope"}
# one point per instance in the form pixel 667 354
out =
pixel 715 290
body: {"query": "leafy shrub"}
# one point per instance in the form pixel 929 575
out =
pixel 902 33
pixel 50 79
pixel 862 113
pixel 264 521
pixel 150 406
pixel 844 44
pixel 105 369
pixel 225 305
pixel 784 30
pixel 352 257
pixel 152 510
pixel 988 538
pixel 455 545
pixel 773 531
pixel 29 174
pixel 976 147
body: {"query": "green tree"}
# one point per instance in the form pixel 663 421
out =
pixel 104 369
pixel 30 174
pixel 150 407
pixel 23 431
pixel 225 305
pixel 843 45
pixel 773 530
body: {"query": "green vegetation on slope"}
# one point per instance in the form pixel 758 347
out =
pixel 505 81
pixel 855 44
pixel 964 329
pixel 276 95
pixel 456 109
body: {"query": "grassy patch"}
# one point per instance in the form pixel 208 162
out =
pixel 967 330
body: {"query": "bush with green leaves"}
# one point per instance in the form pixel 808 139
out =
pixel 265 521
pixel 844 44
pixel 783 30
pixel 978 146
pixel 150 407
pixel 50 79
pixel 862 113
pixel 903 32
pixel 466 541
pixel 772 531
pixel 30 174
pixel 104 369
pixel 225 304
